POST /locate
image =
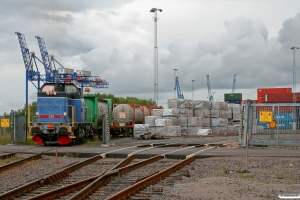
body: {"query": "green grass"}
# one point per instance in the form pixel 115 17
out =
pixel 5 139
pixel 266 182
pixel 279 176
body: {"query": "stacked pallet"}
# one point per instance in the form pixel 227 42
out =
pixel 194 118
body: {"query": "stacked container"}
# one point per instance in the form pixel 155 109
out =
pixel 233 98
pixel 262 91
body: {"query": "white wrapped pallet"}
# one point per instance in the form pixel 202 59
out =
pixel 236 108
pixel 223 105
pixel 151 120
pixel 229 113
pixel 152 129
pixel 161 130
pixel 205 122
pixel 215 105
pixel 214 113
pixel 168 112
pixel 174 120
pixel 157 112
pixel 223 114
pixel 173 131
pixel 233 130
pixel 202 104
pixel 182 121
pixel 176 103
pixel 189 103
pixel 163 122
pixel 183 130
pixel 192 121
pixel 139 129
pixel 202 112
pixel 193 130
pixel 218 130
pixel 219 122
pixel 203 132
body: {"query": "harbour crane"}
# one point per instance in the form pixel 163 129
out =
pixel 80 77
pixel 210 96
pixel 233 84
pixel 32 75
pixel 177 87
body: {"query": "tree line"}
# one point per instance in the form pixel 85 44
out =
pixel 115 100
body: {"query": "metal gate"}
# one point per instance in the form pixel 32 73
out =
pixel 20 128
pixel 286 131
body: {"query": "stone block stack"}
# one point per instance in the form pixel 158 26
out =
pixel 199 117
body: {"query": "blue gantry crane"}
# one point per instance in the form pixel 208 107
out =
pixel 81 78
pixel 210 96
pixel 233 84
pixel 177 87
pixel 32 75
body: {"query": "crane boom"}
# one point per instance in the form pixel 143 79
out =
pixel 177 87
pixel 46 60
pixel 233 84
pixel 51 72
pixel 210 97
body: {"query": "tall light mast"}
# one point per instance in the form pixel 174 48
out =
pixel 154 10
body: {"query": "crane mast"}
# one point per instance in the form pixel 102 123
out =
pixel 177 87
pixel 46 59
pixel 210 96
pixel 233 84
pixel 29 60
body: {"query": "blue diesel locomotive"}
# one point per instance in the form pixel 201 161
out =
pixel 60 115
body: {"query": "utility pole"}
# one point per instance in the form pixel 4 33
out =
pixel 154 10
pixel 294 87
pixel 193 90
pixel 294 73
pixel 175 82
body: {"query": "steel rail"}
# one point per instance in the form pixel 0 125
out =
pixel 7 155
pixel 78 185
pixel 110 176
pixel 9 166
pixel 150 180
pixel 49 179
pixel 66 189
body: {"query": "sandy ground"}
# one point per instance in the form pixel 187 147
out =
pixel 222 178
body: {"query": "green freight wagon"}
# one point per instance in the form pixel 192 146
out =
pixel 233 97
pixel 95 109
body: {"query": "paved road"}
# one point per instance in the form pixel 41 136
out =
pixel 178 148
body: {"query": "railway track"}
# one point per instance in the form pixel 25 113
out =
pixel 67 176
pixel 128 180
pixel 14 161
pixel 114 176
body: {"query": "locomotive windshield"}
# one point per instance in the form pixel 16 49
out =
pixel 60 87
pixel 47 88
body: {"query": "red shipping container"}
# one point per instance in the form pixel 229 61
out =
pixel 262 91
pixel 281 98
pixel 282 109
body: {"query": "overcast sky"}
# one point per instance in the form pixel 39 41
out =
pixel 115 40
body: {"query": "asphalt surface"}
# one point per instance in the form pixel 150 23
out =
pixel 177 148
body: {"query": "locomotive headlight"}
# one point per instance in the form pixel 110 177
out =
pixel 65 114
pixel 37 113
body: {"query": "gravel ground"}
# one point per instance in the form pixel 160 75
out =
pixel 33 170
pixel 221 178
pixel 210 178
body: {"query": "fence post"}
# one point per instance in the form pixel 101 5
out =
pixel 12 127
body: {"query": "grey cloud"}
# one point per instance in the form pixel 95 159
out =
pixel 289 33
